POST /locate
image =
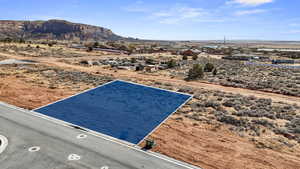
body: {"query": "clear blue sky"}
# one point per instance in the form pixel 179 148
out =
pixel 170 19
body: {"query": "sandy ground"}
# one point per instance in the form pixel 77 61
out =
pixel 217 148
pixel 17 92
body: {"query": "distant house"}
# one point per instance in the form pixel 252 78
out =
pixel 150 68
pixel 211 49
pixel 175 52
pixel 158 50
pixel 245 57
pixel 191 52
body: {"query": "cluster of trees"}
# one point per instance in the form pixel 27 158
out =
pixel 130 48
pixel 194 57
pixel 197 71
pixel 172 63
pixel 11 40
pixel 209 67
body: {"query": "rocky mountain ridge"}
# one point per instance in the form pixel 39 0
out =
pixel 55 30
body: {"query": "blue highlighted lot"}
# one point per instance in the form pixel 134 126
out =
pixel 120 109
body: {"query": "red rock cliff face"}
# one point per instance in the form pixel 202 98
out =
pixel 55 30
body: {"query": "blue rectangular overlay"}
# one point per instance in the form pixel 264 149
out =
pixel 120 109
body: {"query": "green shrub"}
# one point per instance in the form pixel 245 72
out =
pixel 22 41
pixel 133 60
pixel 89 49
pixel 196 72
pixel 171 63
pixel 215 71
pixel 150 61
pixel 209 67
pixel 7 40
pixel 184 58
pixel 96 44
pixel 195 57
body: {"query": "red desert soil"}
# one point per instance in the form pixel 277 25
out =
pixel 19 93
pixel 203 146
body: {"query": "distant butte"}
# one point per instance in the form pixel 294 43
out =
pixel 55 30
